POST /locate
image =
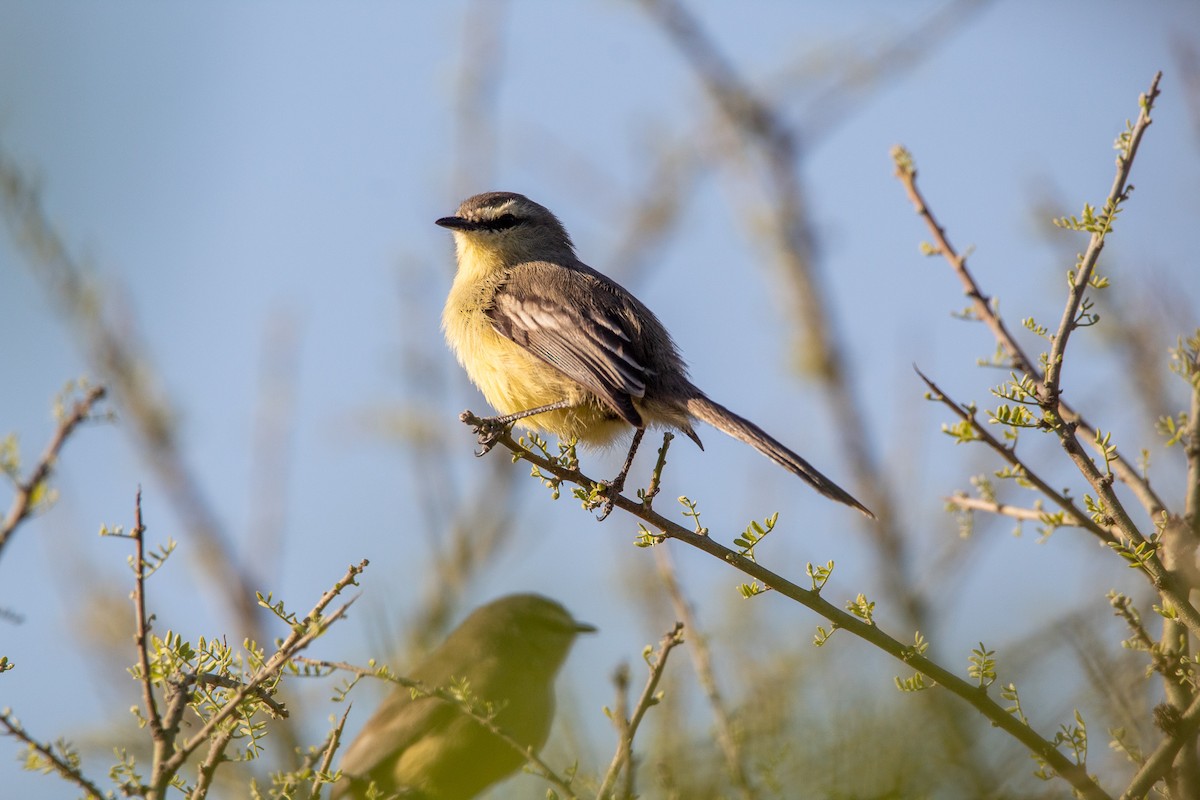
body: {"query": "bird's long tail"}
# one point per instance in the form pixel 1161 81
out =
pixel 722 418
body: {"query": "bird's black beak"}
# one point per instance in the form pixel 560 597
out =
pixel 457 224
pixel 583 627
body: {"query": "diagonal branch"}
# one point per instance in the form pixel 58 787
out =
pixel 23 503
pixel 60 765
pixel 1076 774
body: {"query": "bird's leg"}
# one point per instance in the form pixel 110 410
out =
pixel 613 488
pixel 489 429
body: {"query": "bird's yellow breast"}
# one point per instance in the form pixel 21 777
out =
pixel 512 379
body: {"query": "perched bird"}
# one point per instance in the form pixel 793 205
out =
pixel 508 653
pixel 556 346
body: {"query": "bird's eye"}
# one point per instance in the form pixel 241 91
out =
pixel 503 222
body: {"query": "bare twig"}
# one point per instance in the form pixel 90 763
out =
pixel 327 753
pixel 163 739
pixel 620 720
pixel 624 755
pixel 967 503
pixel 22 504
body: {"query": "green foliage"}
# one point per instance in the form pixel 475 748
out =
pixel 752 589
pixel 818 575
pixel 10 457
pixel 1074 737
pixel 862 608
pixel 917 682
pixel 565 457
pixel 691 511
pixel 822 635
pixel 754 534
pixel 981 666
pixel 646 538
pixel 962 431
pixel 1009 694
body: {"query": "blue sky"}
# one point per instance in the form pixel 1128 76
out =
pixel 228 166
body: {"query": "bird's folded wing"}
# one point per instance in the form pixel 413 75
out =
pixel 400 721
pixel 582 339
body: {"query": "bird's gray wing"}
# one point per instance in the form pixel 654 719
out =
pixel 579 324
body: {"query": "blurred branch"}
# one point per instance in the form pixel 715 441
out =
pixel 1190 369
pixel 29 490
pixel 702 662
pixel 966 503
pixel 765 130
pixel 65 765
pixel 271 451
pixel 864 628
pixel 120 359
pixel 1187 60
pixel 476 95
pixel 905 50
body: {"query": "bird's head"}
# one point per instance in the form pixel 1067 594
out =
pixel 506 228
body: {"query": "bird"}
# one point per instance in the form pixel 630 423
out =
pixel 556 346
pixel 507 653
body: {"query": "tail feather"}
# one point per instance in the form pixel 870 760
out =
pixel 723 419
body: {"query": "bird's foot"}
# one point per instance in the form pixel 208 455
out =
pixel 488 430
pixel 610 491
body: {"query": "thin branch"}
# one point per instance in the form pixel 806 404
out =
pixel 1083 274
pixel 1165 581
pixel 1008 454
pixel 1075 774
pixel 323 771
pixel 620 719
pixel 629 728
pixel 986 311
pixel 967 503
pixel 44 751
pixel 164 741
pixel 22 504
